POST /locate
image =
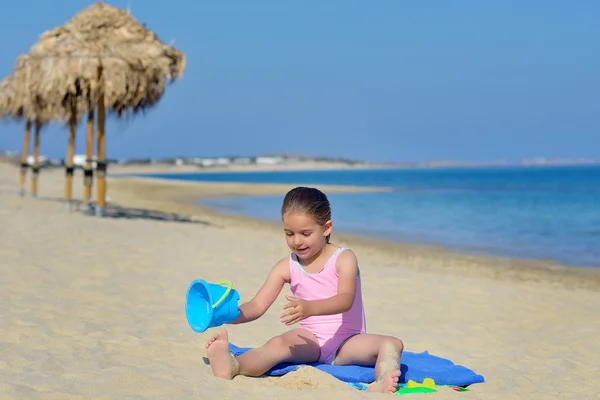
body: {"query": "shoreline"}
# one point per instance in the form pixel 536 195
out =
pixel 160 167
pixel 185 197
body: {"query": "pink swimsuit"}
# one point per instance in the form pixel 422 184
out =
pixel 331 331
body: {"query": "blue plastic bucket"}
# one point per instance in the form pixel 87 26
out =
pixel 210 304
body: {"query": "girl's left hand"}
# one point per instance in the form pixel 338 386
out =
pixel 297 310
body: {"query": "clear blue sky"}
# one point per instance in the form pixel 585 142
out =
pixel 385 80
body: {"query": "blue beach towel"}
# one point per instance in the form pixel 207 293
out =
pixel 415 366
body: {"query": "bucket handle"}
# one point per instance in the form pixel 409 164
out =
pixel 229 284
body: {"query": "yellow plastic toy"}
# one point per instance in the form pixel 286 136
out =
pixel 427 383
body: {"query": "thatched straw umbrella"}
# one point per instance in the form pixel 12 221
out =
pixel 102 57
pixel 9 110
pixel 16 104
pixel 34 75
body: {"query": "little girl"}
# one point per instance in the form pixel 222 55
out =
pixel 327 302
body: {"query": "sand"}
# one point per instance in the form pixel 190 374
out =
pixel 94 307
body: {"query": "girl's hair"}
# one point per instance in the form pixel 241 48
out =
pixel 309 201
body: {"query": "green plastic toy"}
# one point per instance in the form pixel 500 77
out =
pixel 406 390
pixel 460 389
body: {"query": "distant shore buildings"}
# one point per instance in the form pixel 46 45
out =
pixel 79 161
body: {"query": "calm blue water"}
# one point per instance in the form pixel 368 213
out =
pixel 542 212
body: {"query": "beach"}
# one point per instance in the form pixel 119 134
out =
pixel 94 307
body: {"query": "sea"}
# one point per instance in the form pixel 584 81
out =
pixel 537 212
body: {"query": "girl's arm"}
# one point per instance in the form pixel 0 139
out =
pixel 347 267
pixel 255 308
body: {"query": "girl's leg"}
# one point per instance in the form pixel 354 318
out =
pixel 297 346
pixel 380 351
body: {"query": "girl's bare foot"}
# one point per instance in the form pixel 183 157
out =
pixel 388 384
pixel 223 364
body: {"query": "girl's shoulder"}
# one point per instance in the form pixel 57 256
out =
pixel 346 253
pixel 346 259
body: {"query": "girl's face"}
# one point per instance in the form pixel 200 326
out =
pixel 305 237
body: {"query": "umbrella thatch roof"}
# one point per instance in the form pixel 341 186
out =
pixel 7 99
pixel 17 104
pixel 101 48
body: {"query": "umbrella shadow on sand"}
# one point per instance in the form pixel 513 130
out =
pixel 117 211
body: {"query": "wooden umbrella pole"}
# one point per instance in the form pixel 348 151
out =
pixel 36 159
pixel 101 159
pixel 24 154
pixel 69 170
pixel 88 176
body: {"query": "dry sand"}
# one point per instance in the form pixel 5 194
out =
pixel 94 308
